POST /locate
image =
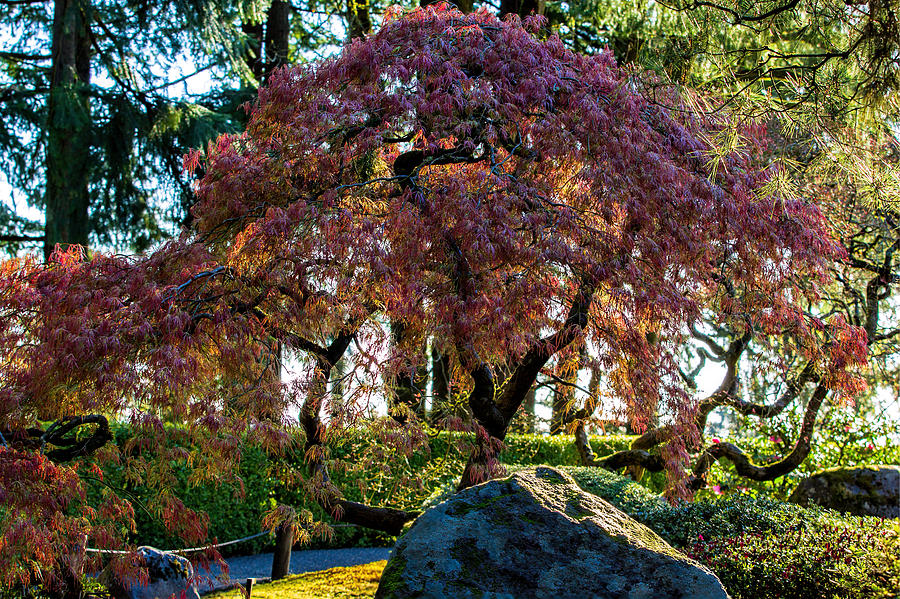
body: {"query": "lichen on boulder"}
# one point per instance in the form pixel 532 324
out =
pixel 536 534
pixel 862 491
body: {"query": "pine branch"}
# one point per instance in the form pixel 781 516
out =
pixel 24 56
pixel 18 238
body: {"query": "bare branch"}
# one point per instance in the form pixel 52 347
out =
pixel 68 448
pixel 18 238
pixel 748 469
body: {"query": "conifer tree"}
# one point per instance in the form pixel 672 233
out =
pixel 95 122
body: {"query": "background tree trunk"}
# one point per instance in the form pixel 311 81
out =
pixel 440 386
pixel 465 6
pixel 564 393
pixel 408 388
pixel 253 56
pixel 523 8
pixel 359 23
pixel 68 127
pixel 529 403
pixel 278 29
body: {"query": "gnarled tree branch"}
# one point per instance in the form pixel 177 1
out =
pixel 66 448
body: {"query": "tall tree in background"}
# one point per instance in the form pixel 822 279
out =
pixel 94 123
pixel 68 126
pixel 359 21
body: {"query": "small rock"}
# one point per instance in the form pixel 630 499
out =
pixel 537 535
pixel 862 491
pixel 170 576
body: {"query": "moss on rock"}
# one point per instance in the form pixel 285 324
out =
pixel 862 490
pixel 537 534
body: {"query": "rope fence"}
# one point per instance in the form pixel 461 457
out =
pixel 197 549
pixel 186 549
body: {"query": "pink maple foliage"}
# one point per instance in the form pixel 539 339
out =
pixel 469 178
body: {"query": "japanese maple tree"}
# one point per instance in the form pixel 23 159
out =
pixel 468 180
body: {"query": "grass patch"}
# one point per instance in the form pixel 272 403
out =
pixel 354 582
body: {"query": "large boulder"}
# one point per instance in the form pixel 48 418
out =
pixel 170 576
pixel 537 535
pixel 863 491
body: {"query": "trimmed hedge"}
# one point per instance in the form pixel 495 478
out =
pixel 364 470
pixel 758 547
pixel 232 515
pixel 765 548
pixel 843 560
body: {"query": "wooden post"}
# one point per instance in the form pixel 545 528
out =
pixel 281 560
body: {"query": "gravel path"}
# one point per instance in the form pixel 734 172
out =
pixel 260 566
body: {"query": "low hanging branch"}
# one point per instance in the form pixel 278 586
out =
pixel 67 448
pixel 638 458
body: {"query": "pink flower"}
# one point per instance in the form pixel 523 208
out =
pixel 870 447
pixel 715 440
pixel 775 439
pixel 718 491
pixel 848 428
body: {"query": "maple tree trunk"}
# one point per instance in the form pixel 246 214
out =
pixel 71 586
pixel 493 409
pixel 68 127
pixel 387 520
pixel 281 559
pixel 493 421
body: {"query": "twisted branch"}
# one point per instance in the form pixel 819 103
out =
pixel 67 448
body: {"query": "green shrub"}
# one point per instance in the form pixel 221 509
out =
pixel 232 515
pixel 557 450
pixel 847 560
pixel 683 523
pixel 764 548
pixel 621 491
pixel 365 471
pixel 728 516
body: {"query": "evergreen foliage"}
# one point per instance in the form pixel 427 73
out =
pixel 94 136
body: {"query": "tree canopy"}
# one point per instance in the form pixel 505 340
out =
pixel 469 180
